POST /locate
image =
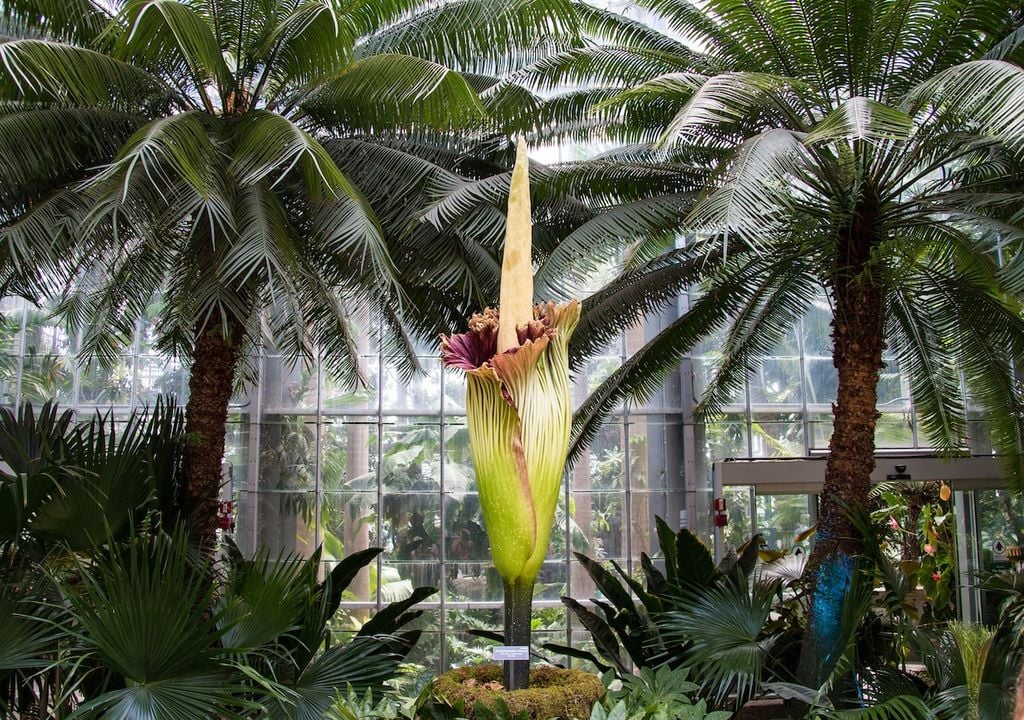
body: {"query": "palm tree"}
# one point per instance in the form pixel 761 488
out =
pixel 204 150
pixel 864 151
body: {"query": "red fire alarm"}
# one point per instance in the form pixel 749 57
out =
pixel 721 519
pixel 225 513
pixel 719 504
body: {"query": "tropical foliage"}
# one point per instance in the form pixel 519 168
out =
pixel 108 611
pixel 626 634
pixel 737 629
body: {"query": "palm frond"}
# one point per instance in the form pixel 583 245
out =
pixel 601 65
pixel 44 147
pixel 486 36
pixel 140 612
pixel 171 154
pixel 901 707
pixel 75 21
pixel 754 197
pixel 598 241
pixel 34 246
pixel 641 375
pixel 726 628
pixel 860 118
pixel 50 71
pixel 313 40
pixel 393 90
pixel 923 355
pixel 158 30
pixel 777 297
pixel 987 91
pixel 640 291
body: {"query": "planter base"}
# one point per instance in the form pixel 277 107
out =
pixel 553 692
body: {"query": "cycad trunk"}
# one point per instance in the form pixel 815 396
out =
pixel 211 381
pixel 858 340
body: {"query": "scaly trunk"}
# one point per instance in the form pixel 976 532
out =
pixel 858 341
pixel 211 381
pixel 518 611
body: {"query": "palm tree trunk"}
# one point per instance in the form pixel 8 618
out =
pixel 858 341
pixel 211 382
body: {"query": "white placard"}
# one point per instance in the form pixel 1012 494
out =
pixel 999 550
pixel 505 653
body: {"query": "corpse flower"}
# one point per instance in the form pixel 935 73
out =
pixel 519 415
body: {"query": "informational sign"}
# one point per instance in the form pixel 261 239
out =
pixel 999 549
pixel 504 653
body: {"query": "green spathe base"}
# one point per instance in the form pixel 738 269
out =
pixel 553 692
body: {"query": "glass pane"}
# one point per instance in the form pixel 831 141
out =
pixel 160 375
pixel 411 527
pixel 662 453
pixel 9 365
pixel 286 523
pixel 48 377
pixel 820 428
pixel 737 500
pixel 10 324
pixel 822 382
pixel 776 382
pixel 599 369
pixel 777 435
pixel 287 454
pixel 458 461
pixel 236 450
pixel 411 460
pixel 817 329
pixel 890 388
pixel 726 437
pixel 107 386
pixel 894 430
pixel 599 518
pixel 602 467
pixel 421 394
pixel 1000 518
pixel 339 397
pixel 348 454
pixel 462 648
pixel 780 518
pixel 703 373
pixel 288 385
pixel 348 524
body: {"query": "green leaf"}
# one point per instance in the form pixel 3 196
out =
pixel 607 584
pixel 393 90
pixel 696 567
pixel 604 639
pixel 44 70
pixel 157 29
pixel 861 118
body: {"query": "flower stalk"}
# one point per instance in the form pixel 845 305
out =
pixel 519 415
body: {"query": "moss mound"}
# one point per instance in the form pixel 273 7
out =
pixel 553 692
